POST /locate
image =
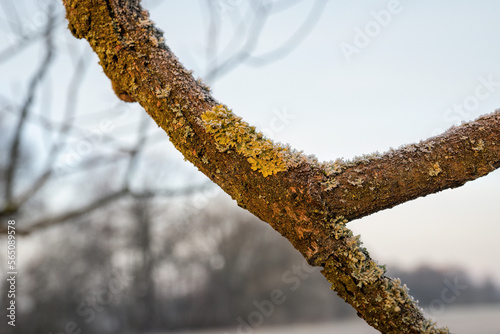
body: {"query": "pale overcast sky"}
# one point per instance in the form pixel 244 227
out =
pixel 370 76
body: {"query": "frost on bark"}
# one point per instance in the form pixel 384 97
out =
pixel 308 202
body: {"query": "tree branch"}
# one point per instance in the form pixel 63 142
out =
pixel 306 201
pixel 372 183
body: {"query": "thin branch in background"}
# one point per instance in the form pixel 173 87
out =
pixel 97 161
pixel 22 39
pixel 167 193
pixel 294 41
pixel 258 22
pixel 244 55
pixel 279 6
pixel 62 135
pixel 72 214
pixel 135 153
pixel 11 17
pixel 212 35
pixel 104 201
pixel 50 125
pixel 25 110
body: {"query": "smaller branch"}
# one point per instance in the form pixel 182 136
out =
pixel 371 183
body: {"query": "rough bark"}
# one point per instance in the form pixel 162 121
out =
pixel 308 202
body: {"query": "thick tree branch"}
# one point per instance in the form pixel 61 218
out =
pixel 306 201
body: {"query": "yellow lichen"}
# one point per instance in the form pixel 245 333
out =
pixel 163 93
pixel 435 169
pixel 232 133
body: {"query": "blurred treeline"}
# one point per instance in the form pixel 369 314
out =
pixel 138 266
pixel 143 266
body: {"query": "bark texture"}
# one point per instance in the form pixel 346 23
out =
pixel 308 202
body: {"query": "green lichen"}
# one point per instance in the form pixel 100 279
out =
pixel 330 184
pixel 361 266
pixel 232 133
pixel 397 294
